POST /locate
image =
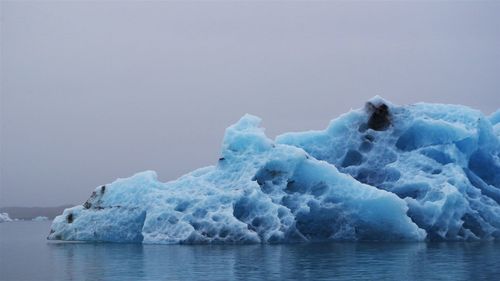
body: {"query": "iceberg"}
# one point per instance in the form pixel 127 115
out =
pixel 422 172
pixel 4 217
pixel 40 218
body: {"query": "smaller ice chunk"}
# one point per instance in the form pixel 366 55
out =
pixel 4 217
pixel 40 218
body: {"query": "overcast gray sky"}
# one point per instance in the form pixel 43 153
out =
pixel 92 91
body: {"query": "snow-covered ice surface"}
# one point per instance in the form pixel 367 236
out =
pixel 383 172
pixel 4 217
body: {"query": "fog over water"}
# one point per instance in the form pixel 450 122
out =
pixel 92 91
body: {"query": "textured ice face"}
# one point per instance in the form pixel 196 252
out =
pixel 443 160
pixel 379 173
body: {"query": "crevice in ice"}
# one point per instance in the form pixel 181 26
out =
pixel 474 225
pixel 486 189
pixel 485 166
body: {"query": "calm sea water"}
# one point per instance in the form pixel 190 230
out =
pixel 26 255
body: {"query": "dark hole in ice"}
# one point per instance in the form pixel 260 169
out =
pixel 392 175
pixel 256 222
pixel 292 202
pixel 241 209
pixel 293 187
pixel 365 146
pixel 87 205
pixel 268 187
pixel 103 189
pixel 69 218
pixel 173 220
pixel 200 213
pixel 352 158
pixel 275 173
pixel 437 155
pixel 251 227
pixel 373 177
pixel 221 159
pixel 412 193
pixel 266 174
pixel 369 138
pixel 181 207
pixel 290 186
pixel 319 223
pixel 223 233
pixel 380 117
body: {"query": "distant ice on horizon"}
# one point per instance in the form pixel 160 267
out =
pixel 40 218
pixel 382 172
pixel 4 217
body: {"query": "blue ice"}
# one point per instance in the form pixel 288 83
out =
pixel 380 173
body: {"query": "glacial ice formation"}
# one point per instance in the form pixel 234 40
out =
pixel 383 172
pixel 4 217
pixel 40 218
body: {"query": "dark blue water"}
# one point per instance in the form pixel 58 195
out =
pixel 26 255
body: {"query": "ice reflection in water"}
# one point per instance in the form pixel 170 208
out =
pixel 26 255
pixel 339 261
